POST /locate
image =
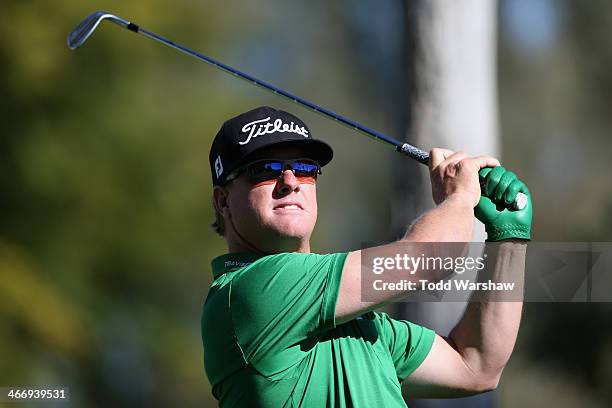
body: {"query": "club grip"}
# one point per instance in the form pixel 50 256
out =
pixel 421 156
pixel 413 152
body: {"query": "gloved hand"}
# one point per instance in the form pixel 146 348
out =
pixel 499 190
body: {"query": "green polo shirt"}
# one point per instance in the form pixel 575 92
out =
pixel 271 340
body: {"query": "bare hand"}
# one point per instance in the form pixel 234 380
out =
pixel 455 174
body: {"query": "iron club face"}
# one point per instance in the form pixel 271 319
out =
pixel 85 28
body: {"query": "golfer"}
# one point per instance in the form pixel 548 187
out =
pixel 284 327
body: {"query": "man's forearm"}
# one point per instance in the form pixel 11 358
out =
pixel 451 221
pixel 486 333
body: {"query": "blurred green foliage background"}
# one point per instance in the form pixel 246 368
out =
pixel 105 194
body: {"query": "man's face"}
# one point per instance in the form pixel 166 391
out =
pixel 276 215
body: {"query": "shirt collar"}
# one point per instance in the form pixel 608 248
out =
pixel 231 262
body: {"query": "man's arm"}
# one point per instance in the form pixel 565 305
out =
pixel 452 220
pixel 476 351
pixel 456 191
pixel 473 356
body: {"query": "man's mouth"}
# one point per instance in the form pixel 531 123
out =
pixel 288 206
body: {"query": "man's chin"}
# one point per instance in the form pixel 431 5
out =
pixel 289 234
pixel 290 227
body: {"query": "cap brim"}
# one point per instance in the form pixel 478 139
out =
pixel 317 150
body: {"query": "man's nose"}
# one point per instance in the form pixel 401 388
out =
pixel 287 182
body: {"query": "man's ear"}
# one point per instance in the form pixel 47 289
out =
pixel 220 197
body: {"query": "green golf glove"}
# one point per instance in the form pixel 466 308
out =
pixel 494 210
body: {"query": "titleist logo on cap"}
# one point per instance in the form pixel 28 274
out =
pixel 265 126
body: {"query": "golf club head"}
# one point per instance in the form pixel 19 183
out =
pixel 85 29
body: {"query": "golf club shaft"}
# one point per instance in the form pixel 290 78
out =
pixel 405 148
pixel 84 30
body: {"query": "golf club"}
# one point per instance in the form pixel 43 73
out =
pixel 85 29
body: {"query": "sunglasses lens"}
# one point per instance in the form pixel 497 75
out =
pixel 264 170
pixel 271 169
pixel 273 166
pixel 306 168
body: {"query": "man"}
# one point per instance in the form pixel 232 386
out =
pixel 284 327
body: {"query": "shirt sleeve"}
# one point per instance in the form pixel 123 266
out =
pixel 282 300
pixel 408 344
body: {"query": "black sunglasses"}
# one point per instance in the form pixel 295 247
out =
pixel 270 169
